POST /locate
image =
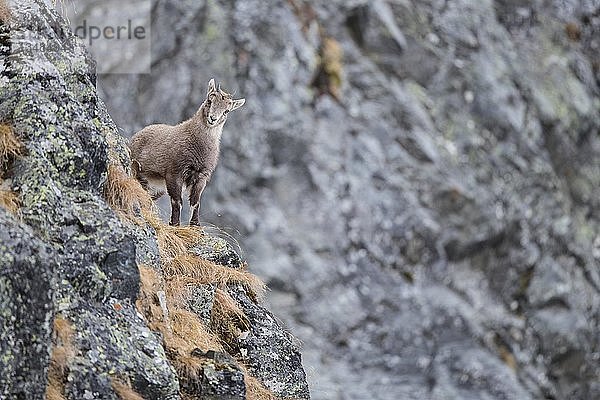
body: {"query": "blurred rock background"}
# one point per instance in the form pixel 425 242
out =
pixel 417 181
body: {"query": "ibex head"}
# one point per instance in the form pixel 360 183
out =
pixel 218 104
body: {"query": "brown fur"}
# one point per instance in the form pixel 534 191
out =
pixel 183 155
pixel 5 13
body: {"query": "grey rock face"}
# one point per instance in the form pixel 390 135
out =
pixel 86 270
pixel 26 310
pixel 434 234
pixel 222 378
pixel 67 256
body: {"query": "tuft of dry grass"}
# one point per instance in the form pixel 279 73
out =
pixel 225 305
pixel 172 240
pixel 10 145
pixel 124 193
pixel 10 148
pixel 182 330
pixel 329 76
pixel 169 244
pixel 124 391
pixel 62 351
pixel 573 31
pixel 189 333
pixel 9 201
pixel 228 319
pixel 182 333
pixel 147 303
pixel 332 63
pixel 255 390
pixel 54 393
pixel 206 272
pixel 189 235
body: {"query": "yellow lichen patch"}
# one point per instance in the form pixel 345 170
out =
pixel 62 351
pixel 124 193
pixel 206 272
pixel 124 391
pixel 332 63
pixel 329 76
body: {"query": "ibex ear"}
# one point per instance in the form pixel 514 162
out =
pixel 237 104
pixel 211 87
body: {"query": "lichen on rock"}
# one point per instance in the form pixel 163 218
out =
pixel 89 249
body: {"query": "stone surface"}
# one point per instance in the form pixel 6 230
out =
pixel 26 310
pixel 432 234
pixel 67 254
pixel 221 379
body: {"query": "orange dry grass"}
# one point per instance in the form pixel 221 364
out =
pixel 10 146
pixel 189 235
pixel 147 302
pixel 169 244
pixel 206 272
pixel 9 201
pixel 54 392
pixel 255 390
pixel 173 240
pixel 62 352
pixel 228 319
pixel 189 333
pixel 124 391
pixel 225 305
pixel 124 193
pixel 182 333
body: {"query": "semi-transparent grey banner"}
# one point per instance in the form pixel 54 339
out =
pixel 116 32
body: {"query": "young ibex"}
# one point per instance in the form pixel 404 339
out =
pixel 172 157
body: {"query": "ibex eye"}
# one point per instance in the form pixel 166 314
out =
pixel 226 112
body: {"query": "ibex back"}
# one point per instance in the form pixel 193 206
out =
pixel 170 158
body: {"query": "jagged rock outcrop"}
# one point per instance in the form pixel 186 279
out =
pixel 434 234
pixel 98 297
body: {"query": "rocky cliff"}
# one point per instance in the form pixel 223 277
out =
pixel 99 299
pixel 418 181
